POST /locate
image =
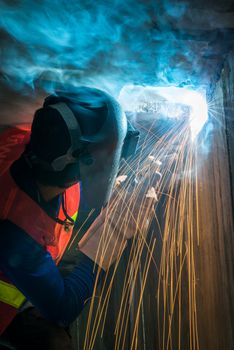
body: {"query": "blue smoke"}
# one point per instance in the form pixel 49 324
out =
pixel 98 43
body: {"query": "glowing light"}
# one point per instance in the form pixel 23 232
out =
pixel 172 102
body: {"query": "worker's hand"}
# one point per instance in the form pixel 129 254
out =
pixel 103 243
pixel 129 211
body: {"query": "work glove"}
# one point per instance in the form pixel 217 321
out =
pixel 128 213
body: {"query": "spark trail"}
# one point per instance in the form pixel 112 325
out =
pixel 174 156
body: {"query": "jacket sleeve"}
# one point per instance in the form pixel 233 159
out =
pixel 35 274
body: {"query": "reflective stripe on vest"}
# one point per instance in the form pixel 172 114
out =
pixel 10 295
pixel 74 217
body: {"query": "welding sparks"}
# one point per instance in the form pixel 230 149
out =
pixel 176 231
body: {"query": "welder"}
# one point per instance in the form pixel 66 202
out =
pixel 67 163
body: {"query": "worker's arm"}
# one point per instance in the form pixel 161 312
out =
pixel 128 214
pixel 33 271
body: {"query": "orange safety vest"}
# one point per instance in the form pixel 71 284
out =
pixel 17 207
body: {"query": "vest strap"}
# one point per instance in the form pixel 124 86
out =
pixel 10 295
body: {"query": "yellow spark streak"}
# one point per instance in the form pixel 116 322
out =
pixel 181 226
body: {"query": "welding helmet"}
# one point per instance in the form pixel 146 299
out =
pixel 78 136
